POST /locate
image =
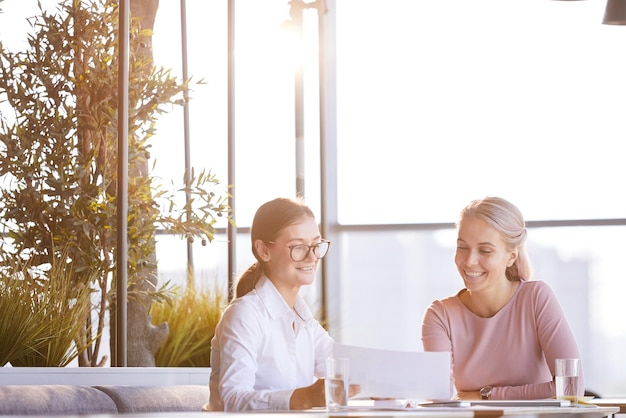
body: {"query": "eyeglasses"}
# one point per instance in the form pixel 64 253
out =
pixel 300 252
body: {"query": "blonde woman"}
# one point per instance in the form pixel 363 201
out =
pixel 503 330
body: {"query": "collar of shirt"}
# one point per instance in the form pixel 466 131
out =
pixel 276 305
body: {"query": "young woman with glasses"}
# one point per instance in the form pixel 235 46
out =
pixel 269 351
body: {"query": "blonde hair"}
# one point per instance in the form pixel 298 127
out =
pixel 508 220
pixel 270 219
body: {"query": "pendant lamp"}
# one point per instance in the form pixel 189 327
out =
pixel 615 13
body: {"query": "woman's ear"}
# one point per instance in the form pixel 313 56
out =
pixel 513 257
pixel 262 250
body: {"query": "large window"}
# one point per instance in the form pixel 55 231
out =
pixel 388 278
pixel 443 102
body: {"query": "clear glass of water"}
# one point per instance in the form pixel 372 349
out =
pixel 566 379
pixel 336 383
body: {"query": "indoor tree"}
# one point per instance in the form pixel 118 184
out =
pixel 58 162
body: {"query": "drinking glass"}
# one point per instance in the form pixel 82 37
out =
pixel 337 383
pixel 566 379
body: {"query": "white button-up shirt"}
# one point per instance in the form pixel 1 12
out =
pixel 263 350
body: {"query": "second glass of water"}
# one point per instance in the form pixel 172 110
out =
pixel 566 379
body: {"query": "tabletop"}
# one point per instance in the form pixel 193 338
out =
pixel 618 402
pixel 418 412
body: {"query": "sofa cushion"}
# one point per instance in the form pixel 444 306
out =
pixel 54 400
pixel 157 398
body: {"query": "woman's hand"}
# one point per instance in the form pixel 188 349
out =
pixel 354 390
pixel 468 395
pixel 311 396
pixel 308 396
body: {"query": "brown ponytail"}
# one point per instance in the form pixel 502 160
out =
pixel 248 280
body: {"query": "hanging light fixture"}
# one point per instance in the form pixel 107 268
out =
pixel 615 13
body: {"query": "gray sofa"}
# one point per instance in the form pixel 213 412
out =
pixel 113 399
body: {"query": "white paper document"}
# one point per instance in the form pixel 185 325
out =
pixel 398 374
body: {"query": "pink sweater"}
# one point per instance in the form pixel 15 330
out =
pixel 513 351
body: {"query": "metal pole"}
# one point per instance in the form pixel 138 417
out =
pixel 187 145
pixel 231 229
pixel 322 103
pixel 296 12
pixel 122 187
pixel 328 155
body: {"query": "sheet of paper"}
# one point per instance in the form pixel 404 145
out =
pixel 398 374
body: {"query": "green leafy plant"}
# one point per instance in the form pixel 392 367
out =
pixel 42 314
pixel 58 158
pixel 192 319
